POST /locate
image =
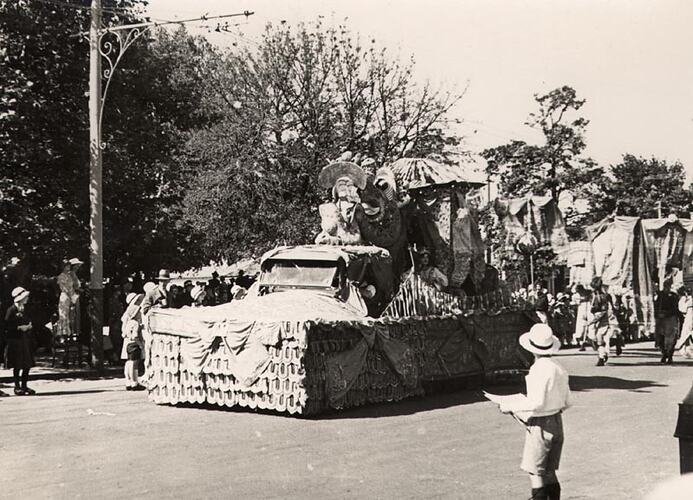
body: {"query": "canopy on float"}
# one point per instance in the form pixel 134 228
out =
pixel 417 173
pixel 440 218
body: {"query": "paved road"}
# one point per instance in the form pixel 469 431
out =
pixel 91 439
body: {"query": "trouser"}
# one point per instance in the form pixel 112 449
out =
pixel 603 338
pixel 667 330
pixel 24 378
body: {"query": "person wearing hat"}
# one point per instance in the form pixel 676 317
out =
pixel 19 352
pixel 133 342
pixel 338 218
pixel 430 274
pixel 156 297
pixel 548 395
pixel 68 303
pixel 601 308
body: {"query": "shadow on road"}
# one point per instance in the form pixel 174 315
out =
pixel 405 407
pixel 67 393
pixel 591 382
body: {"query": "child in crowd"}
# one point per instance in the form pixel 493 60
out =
pixel 548 395
pixel 133 343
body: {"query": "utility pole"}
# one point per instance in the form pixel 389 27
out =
pixel 95 190
pixel 112 51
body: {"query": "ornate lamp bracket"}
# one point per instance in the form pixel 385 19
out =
pixel 112 46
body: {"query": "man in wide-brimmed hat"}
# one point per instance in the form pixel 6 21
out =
pixel 548 394
pixel 156 297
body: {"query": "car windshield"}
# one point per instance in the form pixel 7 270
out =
pixel 300 273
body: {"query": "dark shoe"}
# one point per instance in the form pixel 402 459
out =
pixel 28 392
pixel 582 347
pixel 553 491
pixel 663 360
pixel 670 360
pixel 601 361
pixel 619 350
pixel 18 392
pixel 539 494
pixel 138 387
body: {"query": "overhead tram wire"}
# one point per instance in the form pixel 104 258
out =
pixel 70 5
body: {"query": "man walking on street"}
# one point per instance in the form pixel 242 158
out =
pixel 667 321
pixel 601 302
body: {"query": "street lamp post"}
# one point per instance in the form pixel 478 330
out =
pixel 112 50
pixel 95 189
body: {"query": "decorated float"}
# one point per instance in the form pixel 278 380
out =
pixel 342 322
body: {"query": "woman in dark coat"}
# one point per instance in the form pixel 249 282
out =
pixel 19 353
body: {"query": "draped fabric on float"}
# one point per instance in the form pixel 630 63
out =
pixel 310 366
pixel 620 259
pixel 536 215
pixel 669 245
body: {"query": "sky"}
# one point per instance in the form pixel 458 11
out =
pixel 632 60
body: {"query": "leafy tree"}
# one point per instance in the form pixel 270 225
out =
pixel 153 100
pixel 305 95
pixel 638 185
pixel 556 165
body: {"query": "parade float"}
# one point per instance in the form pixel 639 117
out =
pixel 344 321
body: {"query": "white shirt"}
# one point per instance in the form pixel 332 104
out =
pixel 547 390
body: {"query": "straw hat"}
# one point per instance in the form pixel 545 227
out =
pixel 196 292
pixel 334 171
pixel 540 340
pixel 74 261
pixel 19 294
pixel 164 275
pixel 148 286
pixel 130 297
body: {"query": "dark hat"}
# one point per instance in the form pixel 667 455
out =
pixel 329 174
pixel 596 282
pixel 164 275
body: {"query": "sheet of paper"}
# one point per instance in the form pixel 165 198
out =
pixel 510 399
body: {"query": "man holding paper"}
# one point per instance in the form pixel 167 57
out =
pixel 547 396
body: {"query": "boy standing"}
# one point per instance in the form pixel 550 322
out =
pixel 547 396
pixel 132 341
